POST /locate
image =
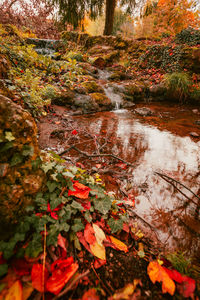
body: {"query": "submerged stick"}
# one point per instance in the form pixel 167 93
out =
pixel 96 155
pixel 172 181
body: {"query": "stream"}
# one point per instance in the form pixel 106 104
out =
pixel 166 142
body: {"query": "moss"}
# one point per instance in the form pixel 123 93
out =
pixel 101 99
pixel 18 149
pixel 92 87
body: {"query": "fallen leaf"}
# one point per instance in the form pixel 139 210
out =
pixel 74 132
pixel 39 277
pixel 15 292
pixel 126 292
pixel 27 291
pixel 98 263
pixel 186 285
pixel 90 295
pixel 62 242
pixel 157 273
pixel 118 244
pixel 60 277
pixel 99 234
pixel 82 240
pixel 81 191
pixel 89 234
pixel 98 250
pixel 21 266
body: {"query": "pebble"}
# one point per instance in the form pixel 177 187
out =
pixel 195 111
pixel 111 254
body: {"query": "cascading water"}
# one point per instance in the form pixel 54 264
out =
pixel 44 46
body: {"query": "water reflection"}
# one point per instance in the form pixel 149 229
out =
pixel 151 150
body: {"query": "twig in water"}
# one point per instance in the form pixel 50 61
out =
pixel 173 182
pixel 95 155
pixel 69 287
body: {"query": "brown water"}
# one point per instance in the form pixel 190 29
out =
pixel 160 143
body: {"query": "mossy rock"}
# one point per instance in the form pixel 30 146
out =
pixel 191 59
pixel 63 98
pixel 20 178
pixel 101 100
pixel 92 87
pixel 4 66
pixel 110 57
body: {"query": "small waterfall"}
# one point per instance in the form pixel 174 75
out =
pixel 44 46
pixel 116 99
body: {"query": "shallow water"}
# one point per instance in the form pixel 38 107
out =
pixel 151 145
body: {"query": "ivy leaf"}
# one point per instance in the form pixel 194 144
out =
pixel 64 227
pixel 103 205
pixel 48 166
pixel 88 216
pixel 115 225
pixel 36 163
pixel 76 205
pixel 9 136
pixel 6 146
pixel 78 225
pixel 16 159
pixel 27 150
pixel 52 185
pixel 3 269
pixel 68 174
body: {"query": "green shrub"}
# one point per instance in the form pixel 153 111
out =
pixel 75 55
pixel 178 84
pixel 188 36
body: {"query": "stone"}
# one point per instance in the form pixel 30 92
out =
pixel 99 62
pixel 63 98
pixel 92 87
pixel 144 111
pixel 102 100
pixel 195 111
pixel 197 122
pixel 194 134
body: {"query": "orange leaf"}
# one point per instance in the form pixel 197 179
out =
pixel 15 292
pixel 38 277
pixel 27 291
pixel 118 244
pixel 157 273
pixel 90 295
pixel 81 191
pixel 89 234
pixel 98 250
pixel 60 277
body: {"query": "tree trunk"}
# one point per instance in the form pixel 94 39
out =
pixel 110 10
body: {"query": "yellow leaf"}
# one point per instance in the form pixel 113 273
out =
pixel 15 292
pixel 99 234
pixel 127 291
pixel 157 273
pixel 98 250
pixel 118 244
pixel 27 291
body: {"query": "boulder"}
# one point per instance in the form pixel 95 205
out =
pixel 20 177
pixel 92 87
pixel 102 100
pixel 63 98
pixel 144 111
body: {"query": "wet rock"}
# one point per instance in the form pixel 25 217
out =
pixel 19 150
pixel 144 111
pixel 88 68
pixel 92 87
pixel 64 98
pixel 157 90
pixel 194 134
pixel 99 62
pixel 102 100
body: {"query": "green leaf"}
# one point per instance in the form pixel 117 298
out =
pixel 64 227
pixel 35 246
pixel 30 208
pixel 48 166
pixel 2 286
pixel 78 225
pixel 88 216
pixel 68 174
pixel 3 269
pixel 9 136
pixel 115 225
pixel 52 185
pixel 68 213
pixel 76 205
pixel 77 243
pixel 6 146
pixel 27 150
pixel 103 205
pixel 16 159
pixel 55 202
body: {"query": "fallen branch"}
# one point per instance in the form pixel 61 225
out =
pixel 95 155
pixel 105 287
pixel 69 287
pixel 173 182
